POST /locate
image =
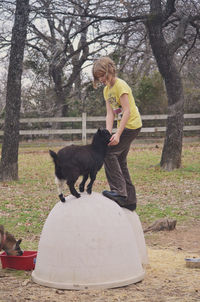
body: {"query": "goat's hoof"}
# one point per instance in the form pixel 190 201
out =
pixel 62 198
pixel 89 191
pixel 78 195
pixel 81 188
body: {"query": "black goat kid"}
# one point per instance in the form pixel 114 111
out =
pixel 73 161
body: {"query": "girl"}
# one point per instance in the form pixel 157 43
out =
pixel 120 103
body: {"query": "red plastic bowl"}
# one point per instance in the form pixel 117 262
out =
pixel 25 262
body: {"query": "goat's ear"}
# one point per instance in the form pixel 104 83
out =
pixel 19 241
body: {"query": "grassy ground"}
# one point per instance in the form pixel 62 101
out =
pixel 25 204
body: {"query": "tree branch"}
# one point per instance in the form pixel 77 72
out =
pixel 179 39
pixel 44 52
pixel 169 9
pixel 184 58
pixel 114 18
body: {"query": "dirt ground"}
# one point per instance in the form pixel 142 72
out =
pixel 167 278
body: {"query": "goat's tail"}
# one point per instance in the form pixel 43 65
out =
pixel 54 156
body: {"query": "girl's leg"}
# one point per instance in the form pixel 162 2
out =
pixel 116 168
pixel 114 174
pixel 130 188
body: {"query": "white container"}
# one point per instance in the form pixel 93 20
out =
pixel 90 242
pixel 192 262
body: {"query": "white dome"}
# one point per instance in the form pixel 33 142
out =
pixel 90 242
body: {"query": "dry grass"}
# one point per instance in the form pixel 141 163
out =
pixel 24 206
pixel 167 280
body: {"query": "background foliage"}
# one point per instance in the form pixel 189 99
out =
pixel 62 44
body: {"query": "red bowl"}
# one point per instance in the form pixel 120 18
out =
pixel 25 262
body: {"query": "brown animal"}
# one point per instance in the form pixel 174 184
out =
pixel 9 244
pixel 161 225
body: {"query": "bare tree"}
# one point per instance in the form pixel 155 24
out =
pixel 63 43
pixel 9 159
pixel 169 23
pixel 66 42
pixel 172 27
pixel 164 54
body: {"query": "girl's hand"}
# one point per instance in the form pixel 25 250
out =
pixel 114 140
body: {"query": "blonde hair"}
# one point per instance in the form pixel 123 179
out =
pixel 103 66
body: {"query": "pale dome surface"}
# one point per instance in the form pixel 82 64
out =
pixel 90 242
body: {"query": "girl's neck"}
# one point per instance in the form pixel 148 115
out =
pixel 112 82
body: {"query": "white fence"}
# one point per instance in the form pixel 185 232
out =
pixel 84 130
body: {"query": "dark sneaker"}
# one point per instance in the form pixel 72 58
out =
pixel 120 200
pixel 131 206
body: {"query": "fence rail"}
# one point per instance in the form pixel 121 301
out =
pixel 84 130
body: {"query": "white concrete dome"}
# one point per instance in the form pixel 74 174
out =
pixel 90 242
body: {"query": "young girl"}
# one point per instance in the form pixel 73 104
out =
pixel 120 103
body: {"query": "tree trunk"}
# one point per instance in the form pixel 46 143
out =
pixel 171 154
pixel 61 107
pixel 9 160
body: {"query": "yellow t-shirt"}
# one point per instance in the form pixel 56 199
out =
pixel 113 94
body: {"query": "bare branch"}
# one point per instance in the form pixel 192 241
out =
pixel 169 9
pixel 179 39
pixel 184 58
pixel 112 17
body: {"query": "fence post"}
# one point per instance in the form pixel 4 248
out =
pixel 84 127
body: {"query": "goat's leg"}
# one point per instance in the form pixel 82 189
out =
pixel 82 184
pixel 60 185
pixel 92 179
pixel 72 188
